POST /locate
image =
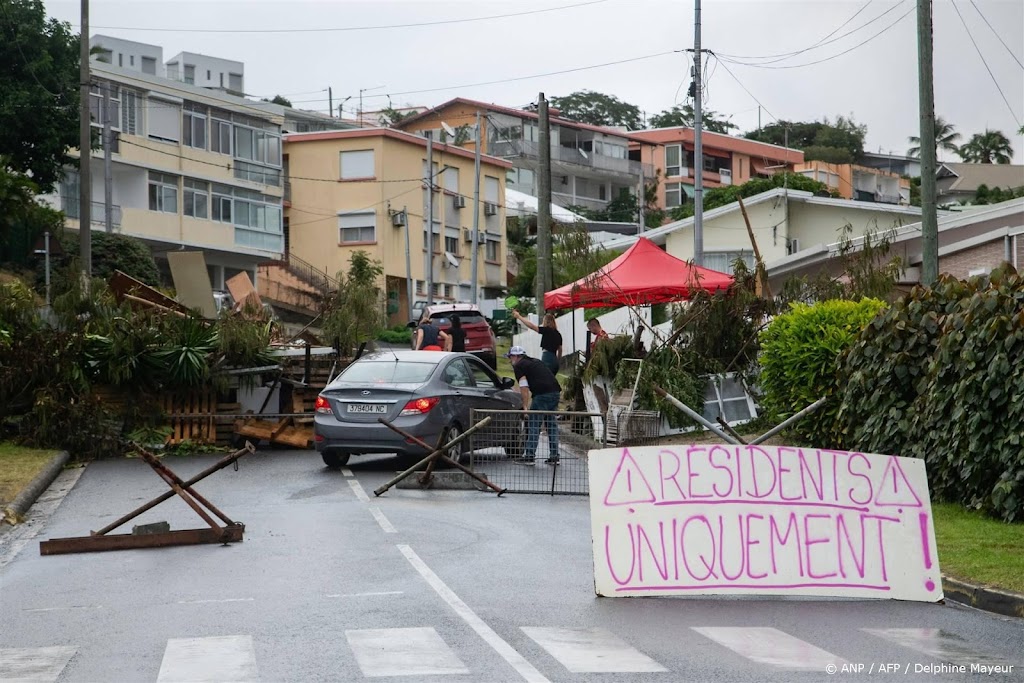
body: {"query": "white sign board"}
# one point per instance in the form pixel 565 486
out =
pixel 732 520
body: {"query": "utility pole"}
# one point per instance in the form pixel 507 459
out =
pixel 429 220
pixel 330 101
pixel 698 146
pixel 409 291
pixel 474 256
pixel 84 152
pixel 926 107
pixel 543 280
pixel 641 197
pixel 108 172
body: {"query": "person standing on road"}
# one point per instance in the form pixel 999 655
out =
pixel 456 336
pixel 428 335
pixel 550 339
pixel 535 378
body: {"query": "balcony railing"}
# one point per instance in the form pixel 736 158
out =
pixel 70 207
pixel 570 155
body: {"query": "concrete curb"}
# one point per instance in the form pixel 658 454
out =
pixel 988 599
pixel 24 500
pixel 444 481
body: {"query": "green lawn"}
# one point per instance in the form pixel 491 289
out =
pixel 979 549
pixel 504 366
pixel 19 466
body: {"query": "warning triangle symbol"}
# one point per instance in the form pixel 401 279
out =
pixel 895 489
pixel 628 485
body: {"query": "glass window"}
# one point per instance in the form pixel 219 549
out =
pixel 163 193
pixel 482 377
pixel 673 195
pixel 491 186
pixel 722 260
pixel 451 180
pixel 164 120
pixel 673 161
pixel 457 374
pixel 400 372
pixel 491 250
pixel 245 145
pixel 451 245
pixel 130 112
pixel 222 208
pixel 194 127
pixel 357 164
pixel 195 198
pixel 220 136
pixel 357 227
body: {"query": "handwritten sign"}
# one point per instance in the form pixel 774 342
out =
pixel 698 520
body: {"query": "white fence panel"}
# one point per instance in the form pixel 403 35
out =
pixel 574 329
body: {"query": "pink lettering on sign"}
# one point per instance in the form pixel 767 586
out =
pixel 750 518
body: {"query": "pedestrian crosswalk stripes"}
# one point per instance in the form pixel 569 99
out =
pixel 217 659
pixel 403 652
pixel 772 647
pixel 43 664
pixel 942 645
pixel 422 651
pixel 592 650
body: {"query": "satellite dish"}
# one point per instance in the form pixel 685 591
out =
pixel 454 262
pixel 582 153
pixel 448 129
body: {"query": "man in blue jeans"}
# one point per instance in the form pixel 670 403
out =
pixel 537 379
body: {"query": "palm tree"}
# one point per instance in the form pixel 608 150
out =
pixel 990 147
pixel 945 139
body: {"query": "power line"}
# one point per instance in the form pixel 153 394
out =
pixel 440 22
pixel 740 83
pixel 999 37
pixel 824 40
pixel 515 78
pixel 826 59
pixel 983 61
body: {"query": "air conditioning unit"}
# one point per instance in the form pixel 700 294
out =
pixel 467 236
pixel 459 202
pixel 793 247
pixel 398 219
pixel 490 209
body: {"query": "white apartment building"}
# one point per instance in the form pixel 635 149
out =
pixel 192 168
pixel 207 72
pixel 128 54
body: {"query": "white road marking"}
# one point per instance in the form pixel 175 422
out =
pixel 403 652
pixel 771 646
pixel 942 645
pixel 217 659
pixel 203 602
pixel 59 609
pixel 34 663
pixel 363 595
pixel 357 489
pixel 507 652
pixel 347 472
pixel 386 525
pixel 12 542
pixel 592 650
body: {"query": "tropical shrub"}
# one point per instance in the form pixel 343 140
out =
pixel 939 377
pixel 800 353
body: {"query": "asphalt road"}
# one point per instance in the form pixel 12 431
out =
pixel 333 584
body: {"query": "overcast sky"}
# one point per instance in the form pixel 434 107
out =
pixel 875 82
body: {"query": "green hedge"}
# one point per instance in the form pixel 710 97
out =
pixel 800 352
pixel 940 377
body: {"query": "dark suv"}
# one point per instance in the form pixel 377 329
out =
pixel 480 339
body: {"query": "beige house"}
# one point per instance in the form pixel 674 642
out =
pixel 365 189
pixel 784 222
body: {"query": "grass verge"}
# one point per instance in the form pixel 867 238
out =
pixel 979 549
pixel 19 466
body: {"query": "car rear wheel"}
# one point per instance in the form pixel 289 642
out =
pixel 460 452
pixel 334 459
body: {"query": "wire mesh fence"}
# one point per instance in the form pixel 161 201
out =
pixel 536 451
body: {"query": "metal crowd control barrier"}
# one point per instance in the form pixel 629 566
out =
pixel 558 466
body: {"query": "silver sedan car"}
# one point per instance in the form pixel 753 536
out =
pixel 429 394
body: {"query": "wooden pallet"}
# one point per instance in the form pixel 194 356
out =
pixel 289 431
pixel 197 429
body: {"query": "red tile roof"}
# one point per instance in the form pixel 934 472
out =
pixel 293 138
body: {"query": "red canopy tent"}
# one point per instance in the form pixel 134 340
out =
pixel 641 276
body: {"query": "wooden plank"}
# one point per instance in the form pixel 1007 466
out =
pixel 280 427
pixel 299 437
pixel 97 543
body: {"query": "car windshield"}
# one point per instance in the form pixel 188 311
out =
pixel 467 318
pixel 389 372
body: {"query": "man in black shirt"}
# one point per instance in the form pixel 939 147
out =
pixel 535 378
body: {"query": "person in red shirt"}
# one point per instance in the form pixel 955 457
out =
pixel 596 331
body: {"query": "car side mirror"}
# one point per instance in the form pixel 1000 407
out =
pixel 411 325
pixel 507 382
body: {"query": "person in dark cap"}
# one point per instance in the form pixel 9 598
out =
pixel 541 392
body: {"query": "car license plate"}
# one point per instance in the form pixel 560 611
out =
pixel 367 408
